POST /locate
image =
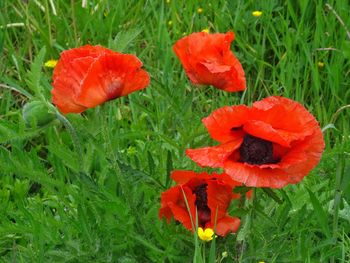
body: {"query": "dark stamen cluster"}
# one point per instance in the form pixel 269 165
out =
pixel 256 151
pixel 202 204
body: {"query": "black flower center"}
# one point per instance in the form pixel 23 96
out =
pixel 256 151
pixel 201 203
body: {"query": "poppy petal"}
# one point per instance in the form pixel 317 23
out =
pixel 226 225
pixel 284 114
pixel 219 198
pixel 213 156
pixel 174 204
pixel 183 176
pixel 293 167
pixel 115 73
pixel 225 124
pixel 288 142
pixel 207 59
pixel 87 76
pixel 254 176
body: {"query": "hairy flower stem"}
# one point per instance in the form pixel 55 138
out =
pixel 77 146
pixel 106 129
pixel 337 198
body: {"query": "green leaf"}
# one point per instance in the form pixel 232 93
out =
pixel 169 168
pixel 151 164
pixel 13 86
pixel 123 39
pixel 2 40
pixel 34 74
pixel 346 49
pixel 272 194
pixel 321 215
pixel 244 230
pixel 212 252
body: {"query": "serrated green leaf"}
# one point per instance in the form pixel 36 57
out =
pixel 123 39
pixel 13 86
pixel 321 215
pixel 272 194
pixel 33 76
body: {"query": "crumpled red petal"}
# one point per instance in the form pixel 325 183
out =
pixel 207 59
pixel 213 156
pixel 297 142
pixel 173 204
pixel 226 225
pixel 87 76
pixel 224 124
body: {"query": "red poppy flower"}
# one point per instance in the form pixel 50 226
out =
pixel 208 60
pixel 210 194
pixel 87 76
pixel 271 144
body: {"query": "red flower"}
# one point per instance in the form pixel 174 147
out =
pixel 208 60
pixel 271 144
pixel 210 194
pixel 87 76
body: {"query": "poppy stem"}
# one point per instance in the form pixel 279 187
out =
pixel 337 198
pixel 73 135
pixel 77 146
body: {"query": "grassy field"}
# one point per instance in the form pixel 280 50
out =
pixel 57 205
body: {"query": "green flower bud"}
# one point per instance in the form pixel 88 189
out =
pixel 37 114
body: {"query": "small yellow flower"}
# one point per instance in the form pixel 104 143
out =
pixel 50 63
pixel 170 23
pixel 205 235
pixel 205 30
pixel 200 10
pixel 320 64
pixel 257 13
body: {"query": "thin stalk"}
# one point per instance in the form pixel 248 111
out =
pixel 203 250
pixel 48 22
pixel 74 136
pixel 74 23
pixel 337 197
pixel 83 178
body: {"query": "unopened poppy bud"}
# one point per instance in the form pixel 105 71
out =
pixel 36 114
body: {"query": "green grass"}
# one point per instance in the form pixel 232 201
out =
pixel 51 212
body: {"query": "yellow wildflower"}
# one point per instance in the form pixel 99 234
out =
pixel 205 235
pixel 257 13
pixel 205 30
pixel 320 64
pixel 200 10
pixel 50 63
